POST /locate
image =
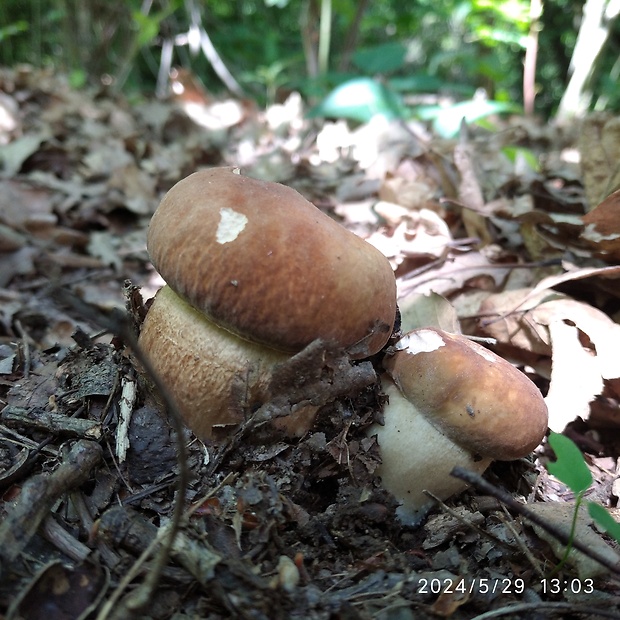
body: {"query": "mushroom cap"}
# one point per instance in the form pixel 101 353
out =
pixel 476 398
pixel 213 376
pixel 264 263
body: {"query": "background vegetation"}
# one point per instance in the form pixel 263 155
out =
pixel 448 48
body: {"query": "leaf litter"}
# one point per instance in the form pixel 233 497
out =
pixel 481 242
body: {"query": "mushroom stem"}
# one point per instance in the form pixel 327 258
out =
pixel 416 456
pixel 213 375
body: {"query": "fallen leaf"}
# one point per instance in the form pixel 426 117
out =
pixel 600 329
pixel 430 310
pixel 569 276
pixel 451 598
pixel 551 324
pixel 602 227
pixel 18 151
pixel 455 274
pixel 599 143
pixel 470 194
pixel 560 514
pixel 575 377
pixel 516 328
pixel 421 234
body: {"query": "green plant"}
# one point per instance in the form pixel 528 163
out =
pixel 571 469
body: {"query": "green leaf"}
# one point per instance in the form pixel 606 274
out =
pixel 13 29
pixel 447 120
pixel 514 153
pixel 78 78
pixel 360 99
pixel 148 27
pixel 383 58
pixel 569 468
pixel 604 519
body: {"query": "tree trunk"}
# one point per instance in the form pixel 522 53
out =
pixel 598 17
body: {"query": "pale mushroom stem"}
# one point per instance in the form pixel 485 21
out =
pixel 417 457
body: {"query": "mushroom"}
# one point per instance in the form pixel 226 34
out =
pixel 451 402
pixel 255 273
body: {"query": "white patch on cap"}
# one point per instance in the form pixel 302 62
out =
pixel 480 350
pixel 420 341
pixel 231 225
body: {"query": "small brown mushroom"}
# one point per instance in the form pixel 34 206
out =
pixel 451 402
pixel 255 272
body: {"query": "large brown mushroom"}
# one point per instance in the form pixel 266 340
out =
pixel 451 402
pixel 257 272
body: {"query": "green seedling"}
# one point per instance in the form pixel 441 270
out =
pixel 571 469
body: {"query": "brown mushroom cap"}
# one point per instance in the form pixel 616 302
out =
pixel 263 262
pixel 213 375
pixel 476 398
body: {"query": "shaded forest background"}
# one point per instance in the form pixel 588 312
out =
pixel 422 52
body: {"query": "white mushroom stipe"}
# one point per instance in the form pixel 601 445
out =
pixel 410 466
pixel 231 225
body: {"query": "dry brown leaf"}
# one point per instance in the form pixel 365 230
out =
pixel 470 194
pixel 602 227
pixel 17 152
pixel 451 598
pixel 555 326
pixel 560 514
pixel 421 234
pixel 412 194
pixel 136 188
pixel 25 206
pixel 455 274
pixel 569 276
pixel 599 143
pixel 516 329
pixel 600 329
pixel 432 310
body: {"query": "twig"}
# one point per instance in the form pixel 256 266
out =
pixel 483 486
pixel 39 494
pixel 510 610
pixel 117 323
pixel 54 423
pixel 524 549
pixel 473 526
pixel 63 541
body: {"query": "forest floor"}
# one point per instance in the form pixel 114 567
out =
pixel 494 233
